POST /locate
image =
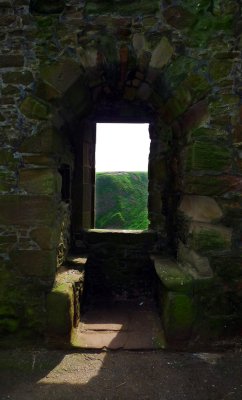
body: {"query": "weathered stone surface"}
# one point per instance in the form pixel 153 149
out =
pixel 46 237
pixel 195 116
pixel 209 185
pixel 200 264
pixel 138 43
pixel 61 75
pixel 179 316
pixel 208 156
pixel 41 264
pixel 11 60
pixel 28 210
pixel 40 181
pixel 19 78
pixel 201 208
pixel 8 180
pixel 34 108
pixel 172 276
pixel 60 310
pixel 63 312
pixel 205 237
pixel 162 54
pixel 47 141
pixel 179 17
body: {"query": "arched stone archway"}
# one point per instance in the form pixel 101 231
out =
pixel 175 62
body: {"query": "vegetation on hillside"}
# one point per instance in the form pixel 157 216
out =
pixel 121 200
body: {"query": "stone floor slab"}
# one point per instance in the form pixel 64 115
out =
pixel 126 325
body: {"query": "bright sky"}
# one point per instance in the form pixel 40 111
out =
pixel 122 147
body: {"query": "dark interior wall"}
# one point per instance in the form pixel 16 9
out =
pixel 58 63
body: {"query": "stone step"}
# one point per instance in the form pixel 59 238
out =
pixel 180 277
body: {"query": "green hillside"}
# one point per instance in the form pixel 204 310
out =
pixel 121 200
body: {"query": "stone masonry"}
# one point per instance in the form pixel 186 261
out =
pixel 65 65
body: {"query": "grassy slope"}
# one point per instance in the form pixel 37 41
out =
pixel 121 200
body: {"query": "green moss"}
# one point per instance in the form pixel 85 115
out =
pixel 172 276
pixel 178 70
pixel 209 134
pixel 220 69
pixel 40 181
pixel 179 315
pixel 34 108
pixel 208 27
pixel 208 156
pixel 60 310
pixel 178 103
pixel 207 240
pixel 198 85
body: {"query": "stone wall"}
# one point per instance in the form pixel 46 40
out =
pixel 65 61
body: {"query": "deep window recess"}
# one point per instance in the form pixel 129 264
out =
pixel 122 152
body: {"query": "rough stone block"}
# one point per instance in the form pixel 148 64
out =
pixel 46 141
pixel 34 108
pixel 206 237
pixel 28 210
pixel 46 237
pixel 11 60
pixel 172 276
pixel 61 75
pixel 40 181
pixel 161 54
pixel 209 185
pixel 208 156
pixel 179 17
pixel 60 310
pixel 201 208
pixel 18 77
pixel 63 303
pixel 196 265
pixel 178 316
pixel 35 263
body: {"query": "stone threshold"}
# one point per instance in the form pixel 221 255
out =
pixel 121 236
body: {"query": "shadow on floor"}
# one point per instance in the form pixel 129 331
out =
pixel 41 374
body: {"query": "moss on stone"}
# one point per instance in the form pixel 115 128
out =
pixel 198 86
pixel 34 108
pixel 179 315
pixel 208 156
pixel 40 181
pixel 220 69
pixel 60 310
pixel 178 70
pixel 208 27
pixel 210 240
pixel 205 185
pixel 172 276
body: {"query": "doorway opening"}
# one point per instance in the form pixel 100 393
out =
pixel 121 196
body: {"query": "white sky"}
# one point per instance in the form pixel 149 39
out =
pixel 122 147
